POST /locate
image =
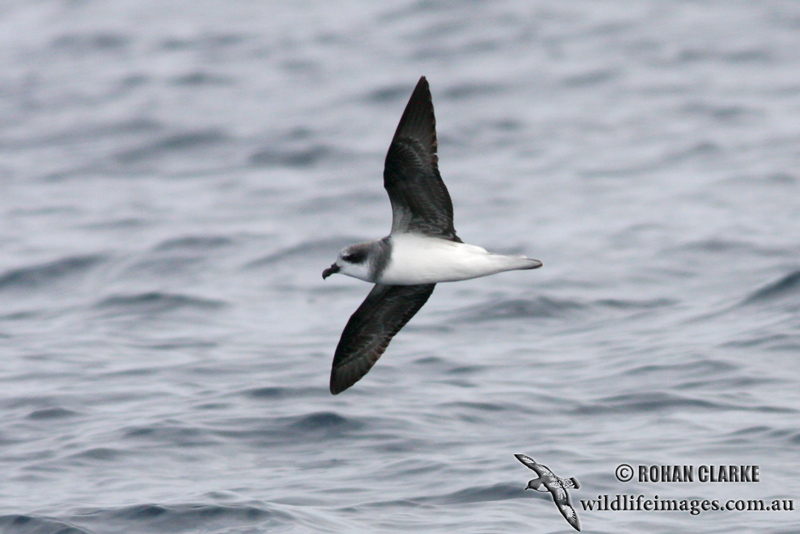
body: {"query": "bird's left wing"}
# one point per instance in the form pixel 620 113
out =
pixel 370 329
pixel 564 504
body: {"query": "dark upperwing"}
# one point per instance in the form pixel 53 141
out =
pixel 420 201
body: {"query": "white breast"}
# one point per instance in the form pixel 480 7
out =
pixel 418 259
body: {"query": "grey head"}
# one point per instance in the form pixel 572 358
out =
pixel 557 486
pixel 364 261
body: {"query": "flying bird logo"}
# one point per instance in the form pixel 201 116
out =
pixel 557 486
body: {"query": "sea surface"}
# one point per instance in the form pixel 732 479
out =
pixel 175 175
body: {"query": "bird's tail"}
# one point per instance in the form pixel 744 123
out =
pixel 515 263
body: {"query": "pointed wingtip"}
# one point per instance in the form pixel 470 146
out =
pixel 418 120
pixel 525 459
pixel 345 376
pixel 339 382
pixel 333 387
pixel 422 87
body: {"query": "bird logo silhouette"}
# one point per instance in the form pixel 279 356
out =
pixel 557 486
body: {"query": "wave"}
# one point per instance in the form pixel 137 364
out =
pixel 326 422
pixel 51 413
pixel 653 402
pixel 193 242
pixel 540 307
pixel 32 524
pixel 277 392
pixel 177 518
pixel 630 304
pixel 155 302
pixel 177 142
pixel 318 247
pixel 82 43
pixel 786 287
pixel 152 518
pixel 767 435
pixel 44 274
pixel 497 492
pixel 290 157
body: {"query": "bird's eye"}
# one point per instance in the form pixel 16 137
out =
pixel 355 257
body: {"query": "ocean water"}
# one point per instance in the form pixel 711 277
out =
pixel 174 177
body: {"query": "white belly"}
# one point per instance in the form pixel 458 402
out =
pixel 417 259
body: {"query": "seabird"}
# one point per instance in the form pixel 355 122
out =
pixel 557 486
pixel 421 250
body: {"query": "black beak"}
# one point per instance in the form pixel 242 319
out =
pixel 330 270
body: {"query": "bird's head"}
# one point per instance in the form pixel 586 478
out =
pixel 353 261
pixel 534 484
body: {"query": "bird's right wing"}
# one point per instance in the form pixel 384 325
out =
pixel 527 460
pixel 420 201
pixel 530 463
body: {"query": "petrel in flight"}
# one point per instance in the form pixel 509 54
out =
pixel 421 250
pixel 557 486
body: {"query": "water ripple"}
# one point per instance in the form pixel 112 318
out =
pixel 32 524
pixel 155 302
pixel 785 288
pixel 46 274
pixel 540 307
pixel 652 402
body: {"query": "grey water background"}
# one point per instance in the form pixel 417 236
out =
pixel 174 176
